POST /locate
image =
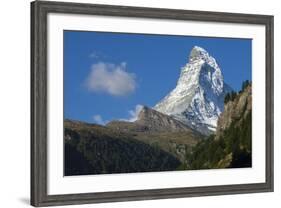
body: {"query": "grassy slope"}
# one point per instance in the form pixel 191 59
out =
pixel 177 142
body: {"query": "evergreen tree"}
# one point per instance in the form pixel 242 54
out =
pixel 226 98
pixel 245 84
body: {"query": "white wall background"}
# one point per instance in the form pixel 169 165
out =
pixel 15 102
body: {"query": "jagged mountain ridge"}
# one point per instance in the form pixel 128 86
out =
pixel 150 120
pixel 158 121
pixel 198 98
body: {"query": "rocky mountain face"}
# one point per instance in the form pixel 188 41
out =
pixel 231 145
pixel 235 111
pixel 197 100
pixel 156 121
pixel 152 121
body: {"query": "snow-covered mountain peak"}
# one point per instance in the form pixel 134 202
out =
pixel 197 52
pixel 200 55
pixel 198 98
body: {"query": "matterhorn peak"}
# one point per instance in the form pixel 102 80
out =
pixel 197 53
pixel 198 98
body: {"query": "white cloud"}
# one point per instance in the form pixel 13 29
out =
pixel 133 116
pixel 98 119
pixel 111 78
pixel 134 113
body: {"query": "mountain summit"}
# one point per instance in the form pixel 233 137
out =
pixel 198 98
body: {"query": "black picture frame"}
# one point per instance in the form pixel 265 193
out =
pixel 39 12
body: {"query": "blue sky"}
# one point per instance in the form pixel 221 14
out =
pixel 108 75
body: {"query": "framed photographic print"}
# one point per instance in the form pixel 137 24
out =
pixel 132 103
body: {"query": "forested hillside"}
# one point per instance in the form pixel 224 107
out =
pixel 231 146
